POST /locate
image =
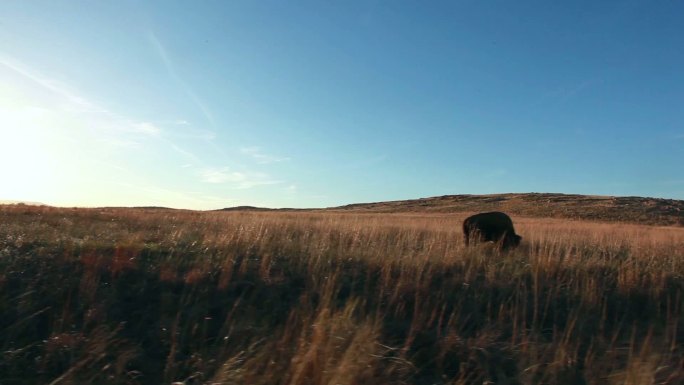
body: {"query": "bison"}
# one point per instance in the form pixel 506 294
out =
pixel 494 227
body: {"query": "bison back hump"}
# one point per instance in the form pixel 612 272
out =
pixel 491 220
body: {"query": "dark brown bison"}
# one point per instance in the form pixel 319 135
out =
pixel 494 227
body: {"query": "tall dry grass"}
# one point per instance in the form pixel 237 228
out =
pixel 124 296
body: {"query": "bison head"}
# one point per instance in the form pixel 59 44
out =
pixel 512 240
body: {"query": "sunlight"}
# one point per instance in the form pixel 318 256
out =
pixel 27 158
pixel 36 153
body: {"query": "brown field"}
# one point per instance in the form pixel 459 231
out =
pixel 147 296
pixel 645 211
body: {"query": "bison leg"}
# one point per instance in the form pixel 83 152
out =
pixel 473 236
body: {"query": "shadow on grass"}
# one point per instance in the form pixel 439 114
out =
pixel 108 317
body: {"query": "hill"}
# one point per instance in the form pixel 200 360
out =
pixel 14 202
pixel 245 208
pixel 652 211
pixel 154 296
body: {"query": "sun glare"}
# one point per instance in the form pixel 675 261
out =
pixel 33 147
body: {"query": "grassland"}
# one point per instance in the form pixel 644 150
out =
pixel 153 296
pixel 651 211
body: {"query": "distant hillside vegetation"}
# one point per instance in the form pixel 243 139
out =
pixel 651 211
pixel 12 202
pixel 247 208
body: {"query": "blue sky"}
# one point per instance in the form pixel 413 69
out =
pixel 211 104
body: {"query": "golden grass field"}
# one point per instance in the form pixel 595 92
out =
pixel 146 296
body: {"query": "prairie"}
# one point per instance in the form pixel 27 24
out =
pixel 156 296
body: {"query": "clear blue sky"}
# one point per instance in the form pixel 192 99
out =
pixel 208 104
